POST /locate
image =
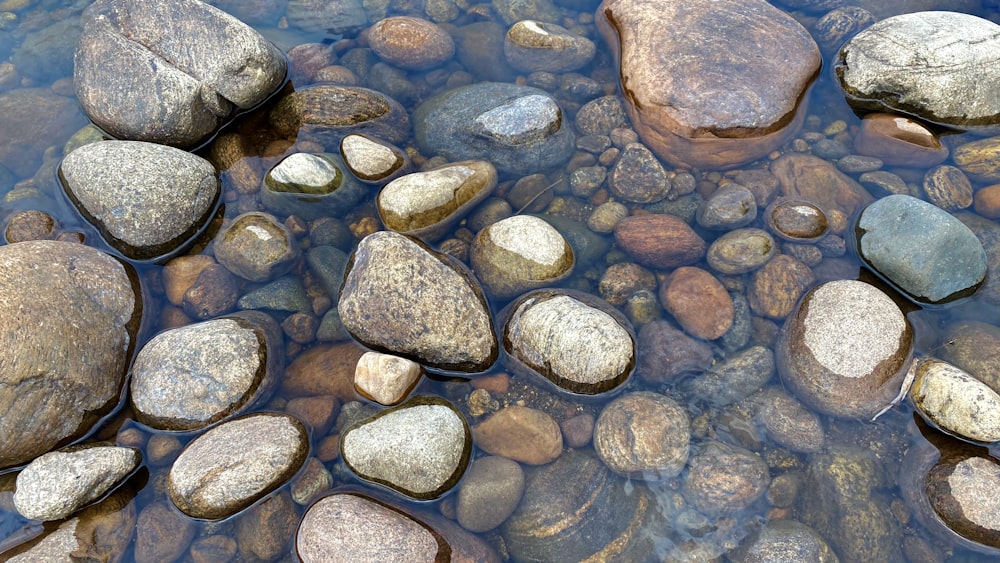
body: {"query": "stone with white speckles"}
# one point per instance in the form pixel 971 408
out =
pixel 955 401
pixel 518 254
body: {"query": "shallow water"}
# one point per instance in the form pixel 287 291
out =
pixel 888 437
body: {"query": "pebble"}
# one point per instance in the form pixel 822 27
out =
pixel 215 291
pixel 789 423
pixel 813 179
pixel 606 217
pixel 324 369
pixel 601 116
pixel 858 164
pixel 256 247
pixel 30 224
pixel 796 220
pixel 741 251
pixel 489 493
pixel 665 353
pixel 979 159
pixel 776 287
pixel 372 160
pixel 730 207
pixel 622 280
pixel 520 433
pixel 883 183
pixel 317 412
pixel 955 401
pixel 578 430
pixel 283 294
pixel 659 241
pixel 643 435
pixel 699 302
pixel 342 18
pixel 518 254
pixel 788 540
pixel 410 43
pixel 897 140
pixel 948 188
pixel 312 481
pixel 384 378
pixel 986 201
pixel 262 532
pixel 735 378
pixel 532 45
pixel 723 479
pixel 162 533
pixel 309 186
pixel 637 176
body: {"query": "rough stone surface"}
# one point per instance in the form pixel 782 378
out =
pixel 326 113
pixel 734 378
pixel 979 159
pixel 410 43
pixel 776 287
pixel 518 254
pixel 520 433
pixel 954 401
pixel 643 435
pixel 638 176
pixel 813 179
pixel 723 479
pixel 346 17
pixel 256 246
pixel 162 533
pixel 730 207
pixel 384 378
pixel 784 540
pixel 710 84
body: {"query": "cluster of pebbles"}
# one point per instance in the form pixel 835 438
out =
pixel 434 262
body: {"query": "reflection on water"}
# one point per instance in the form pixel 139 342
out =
pixel 678 517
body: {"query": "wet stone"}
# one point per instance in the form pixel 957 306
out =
pixel 489 493
pixel 324 369
pixel 310 186
pixel 659 241
pixel 162 534
pixel 979 159
pixel 410 43
pixel 264 529
pixel 606 216
pixel 345 17
pixel 988 233
pixel 372 160
pixel 666 353
pixel 256 247
pixel 584 182
pixel 30 225
pixel 328 264
pixel 897 140
pixel 858 164
pixel 147 200
pixel 643 435
pixel 741 251
pixel 972 347
pixel 784 540
pixel 638 176
pixel 735 378
pixel 384 378
pixel 813 179
pixel 624 279
pixel 732 206
pixel 882 183
pixel 796 220
pixel 520 433
pixel 59 483
pixel 419 449
pixel 955 401
pixel 519 254
pixel 283 294
pixel 213 293
pixel 699 302
pixel 776 287
pixel 790 424
pixel 948 188
pixel 34 119
pixel 232 465
pixel 601 116
pixel 532 45
pixel 723 479
pixel 986 202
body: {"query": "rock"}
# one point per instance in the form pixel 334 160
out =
pixel 796 220
pixel 309 484
pixel 659 241
pixel 928 64
pixel 575 341
pixel 784 540
pixel 520 433
pixel 532 46
pixel 922 250
pixel 985 202
pixel 666 353
pixel 699 302
pixel 310 186
pixel 705 99
pixel 578 430
pixel 180 273
pixel 283 294
pixel 59 483
pixel 236 463
pixel 601 116
pixel 264 529
pixel 730 207
pixel 884 183
pixel 162 534
pixel 988 233
pixel 326 113
pixel 518 254
pixel 776 287
pixel 735 378
pixel 955 401
pixel 790 424
pixel 979 159
pixel 638 176
pixel 948 188
pixel 520 129
pixel 489 493
pixel 193 376
pixel 606 217
pixel 34 119
pixel 420 448
pixel 343 17
pixel 30 224
pixel 64 357
pixel 741 251
pixel 844 350
pixel 213 548
pixel 403 298
pixel 410 43
pixel 622 280
pixel 324 369
pixel 479 48
pixel 840 24
pixel 147 200
pixel 898 141
pixel 328 264
pixel 815 180
pixel 723 479
pixel 427 204
pixel 643 435
pixel 372 160
pixel 170 73
pixel 256 247
pixel 48 52
pixel 384 378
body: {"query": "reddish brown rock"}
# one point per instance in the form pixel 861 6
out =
pixel 659 241
pixel 709 83
pixel 814 179
pixel 898 141
pixel 520 433
pixel 410 43
pixel 699 302
pixel 777 286
pixel 324 370
pixel 986 201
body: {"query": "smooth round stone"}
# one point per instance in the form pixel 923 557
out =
pixel 573 340
pixel 643 435
pixel 263 531
pixel 723 479
pixel 427 204
pixel 666 353
pixel 884 183
pixel 236 463
pixel 162 533
pixel 310 186
pixel 410 43
pixel 180 273
pixel 30 224
pixel 741 251
pixel 839 24
pixel 59 483
pixel 856 163
pixel 776 287
pixel 606 216
pixel 790 424
pixel 948 188
pixel 401 297
pixel 256 247
pixel 326 113
pixel 699 302
pixel 813 179
pixel 731 206
pixel 601 116
pixel 921 249
pixel 979 159
pixel 938 66
pixel 955 401
pixel 489 493
pixel 986 201
pixel 843 350
pixel 520 433
pixel 193 376
pixel 638 176
pixel 659 241
pixel 519 254
pixel 283 294
pixel 419 448
pixel 897 140
pixel 784 540
pixel 147 200
pixel 372 160
pixel 384 378
pixel 64 358
pixel 532 45
pixel 796 220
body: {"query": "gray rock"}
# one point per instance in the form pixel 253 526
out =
pixel 730 207
pixel 735 378
pixel 403 298
pixel 790 424
pixel 723 479
pixel 190 377
pixel 326 113
pixel 256 247
pixel 48 52
pixel 310 186
pixel 741 251
pixel 59 483
pixel 532 46
pixel 420 448
pixel 236 463
pixel 170 72
pixel 283 294
pixel 520 129
pixel 489 493
pixel 638 176
pixel 643 435
pixel 64 358
pixel 148 200
pixel 372 160
pixel 341 17
pixel 840 24
pixel 328 264
pixel 601 116
pixel 924 251
pixel 938 66
pixel 519 254
pixel 34 119
pixel 784 540
pixel 955 401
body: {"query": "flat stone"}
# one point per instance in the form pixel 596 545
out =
pixel 518 254
pixel 345 17
pixel 741 251
pixel 532 45
pixel 643 435
pixel 979 159
pixel 948 187
pixel 735 378
pixel 162 533
pixel 813 179
pixel 326 113
pixel 659 241
pixel 372 160
pixel 520 433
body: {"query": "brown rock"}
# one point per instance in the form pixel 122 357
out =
pixel 327 369
pixel 180 274
pixel 622 280
pixel 520 433
pixel 777 286
pixel 723 479
pixel 578 430
pixel 162 534
pixel 213 293
pixel 318 413
pixel 264 530
pixel 898 141
pixel 30 225
pixel 710 84
pixel 643 435
pixel 948 188
pixel 665 353
pixel 816 180
pixel 213 549
pixel 659 241
pixel 980 159
pixel 986 201
pixel 34 119
pixel 699 302
pixel 410 43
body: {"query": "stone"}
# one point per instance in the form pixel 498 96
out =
pixel 214 292
pixel 520 433
pixel 988 233
pixel 59 483
pixel 606 217
pixel 659 241
pixel 384 378
pixel 897 140
pixel 403 298
pixel 479 48
pixel 789 423
pixel 162 533
pixel 986 201
pixel 776 287
pixel 844 350
pixel 30 224
pixel 796 220
pixel 419 449
pixel 637 176
pixel 735 378
pixel 883 183
pixel 256 247
pixel 236 463
pixel 730 207
pixel 518 254
pixel 264 529
pixel 670 57
pixel 699 302
pixel 489 493
pixel 979 159
pixel 310 186
pixel 932 65
pixel 324 369
pixel 147 200
pixel 643 435
pixel 372 160
pixel 840 24
pixel 601 116
pixel 813 179
pixel 741 251
pixel 948 188
pixel 784 540
pixel 723 479
pixel 922 250
pixel 343 17
pixel 574 341
pixel 32 120
pixel 666 353
pixel 520 129
pixel 190 377
pixel 955 401
pixel 64 358
pixel 180 273
pixel 170 73
pixel 427 204
pixel 326 113
pixel 313 481
pixel 622 280
pixel 410 43
pixel 283 294
pixel 532 45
